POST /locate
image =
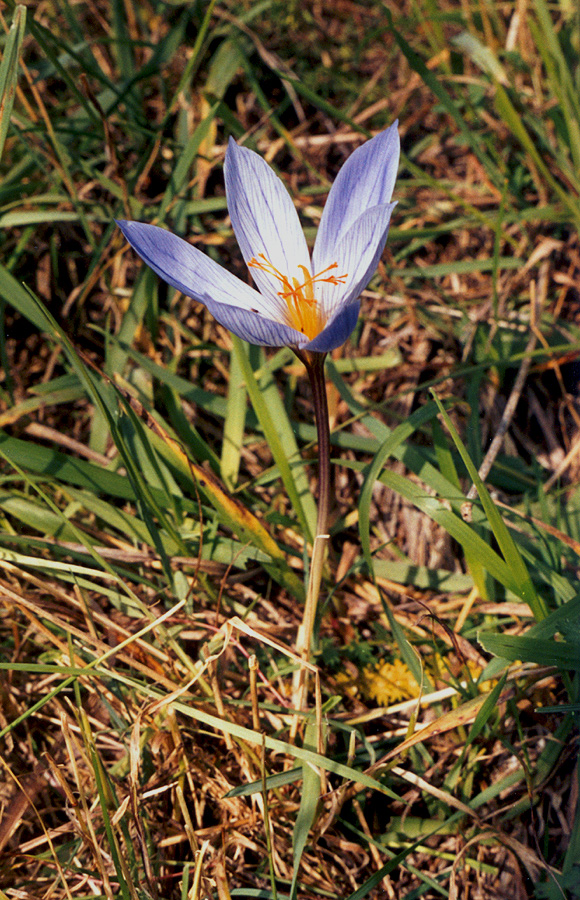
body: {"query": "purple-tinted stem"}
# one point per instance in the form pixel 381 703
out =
pixel 315 367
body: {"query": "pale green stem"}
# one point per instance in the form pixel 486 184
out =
pixel 314 363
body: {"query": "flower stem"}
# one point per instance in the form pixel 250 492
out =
pixel 314 363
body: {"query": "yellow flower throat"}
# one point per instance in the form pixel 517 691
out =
pixel 303 314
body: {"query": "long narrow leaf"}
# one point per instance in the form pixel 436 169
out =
pixel 447 466
pixel 565 655
pixel 395 439
pixel 270 391
pixel 234 424
pixel 307 812
pixel 272 435
pixel 525 589
pixel 9 71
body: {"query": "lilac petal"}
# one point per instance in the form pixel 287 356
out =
pixel 189 270
pixel 366 180
pixel 337 330
pixel 358 255
pixel 264 219
pixel 235 305
pixel 254 328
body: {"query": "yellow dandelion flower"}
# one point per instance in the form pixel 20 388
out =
pixel 390 683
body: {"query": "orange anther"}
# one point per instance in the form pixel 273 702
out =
pixel 303 314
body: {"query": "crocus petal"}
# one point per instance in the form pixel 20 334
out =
pixel 366 180
pixel 358 253
pixel 337 330
pixel 254 328
pixel 235 305
pixel 264 219
pixel 189 270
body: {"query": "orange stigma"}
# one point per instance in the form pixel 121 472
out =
pixel 303 314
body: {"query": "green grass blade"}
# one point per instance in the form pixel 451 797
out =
pixel 13 292
pixel 143 298
pixel 273 436
pixel 247 735
pixel 525 589
pixel 446 100
pixel 421 577
pixel 193 62
pixel 52 464
pixel 309 800
pixel 559 74
pixel 181 173
pixel 9 71
pixel 457 528
pixel 34 515
pixel 482 717
pixel 564 655
pixel 388 448
pixel 571 866
pixel 104 792
pixel 105 398
pixel 231 512
pixel 270 391
pixel 415 458
pixel 234 424
pixel 375 879
pixel 565 620
pixel 513 119
pixel 122 41
pixel 447 467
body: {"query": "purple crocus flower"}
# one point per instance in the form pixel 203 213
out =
pixel 310 304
